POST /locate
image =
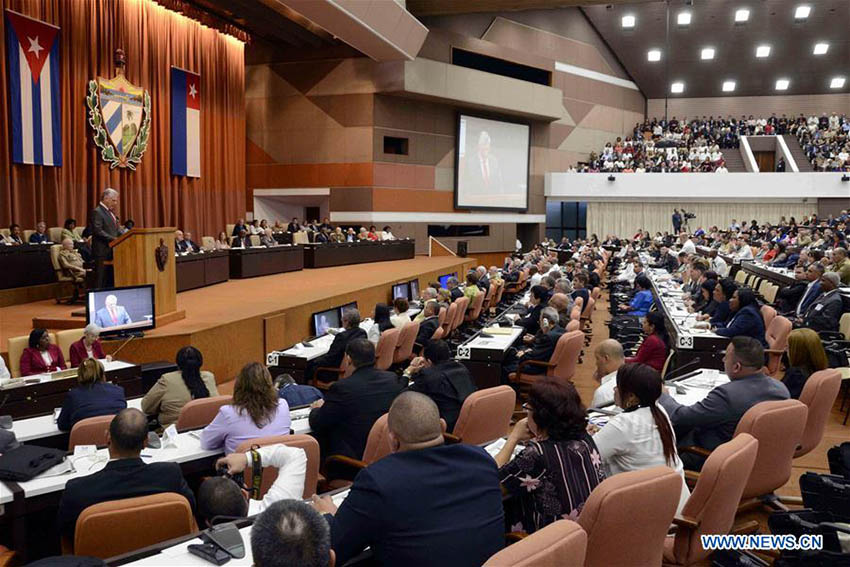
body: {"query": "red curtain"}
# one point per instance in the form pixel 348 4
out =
pixel 153 39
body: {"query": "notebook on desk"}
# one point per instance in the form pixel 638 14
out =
pixel 498 330
pixel 62 374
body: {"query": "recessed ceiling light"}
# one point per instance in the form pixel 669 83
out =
pixel 802 12
pixel 821 48
pixel 762 51
pixel 628 21
pixel 707 53
pixel 677 87
pixel 742 15
pixel 653 55
pixel 837 83
pixel 728 86
pixel 782 84
pixel 684 18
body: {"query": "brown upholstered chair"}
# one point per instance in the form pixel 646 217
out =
pixel 519 284
pixel 385 349
pixel 406 340
pixel 819 395
pixel 767 315
pixel 112 528
pixel 573 325
pixel 776 336
pixel 306 442
pixel 462 305
pixel 485 415
pixel 340 470
pixel 447 323
pixel 627 516
pixel 560 544
pixel 90 431
pixel 714 501
pixel 201 412
pixel 561 365
pixel 61 276
pixel 64 339
pixel 226 388
pixel 15 348
pixel 475 308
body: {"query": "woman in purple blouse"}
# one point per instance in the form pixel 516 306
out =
pixel 256 411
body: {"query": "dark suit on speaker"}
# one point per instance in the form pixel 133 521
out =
pixel 104 229
pixel 351 407
pixel 121 478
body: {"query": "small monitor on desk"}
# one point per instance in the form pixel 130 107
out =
pixel 324 320
pixel 121 310
pixel 414 290
pixel 352 305
pixel 401 290
pixel 444 279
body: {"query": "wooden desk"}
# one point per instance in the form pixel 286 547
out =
pixel 253 262
pixel 25 265
pixel 40 399
pixel 201 270
pixel 343 254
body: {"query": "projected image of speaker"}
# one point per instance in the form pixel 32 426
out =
pixel 491 167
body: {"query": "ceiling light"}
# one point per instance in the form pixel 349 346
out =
pixel 677 88
pixel 628 21
pixel 782 84
pixel 821 48
pixel 802 12
pixel 837 83
pixel 684 18
pixel 728 86
pixel 707 53
pixel 653 55
pixel 742 15
pixel 762 51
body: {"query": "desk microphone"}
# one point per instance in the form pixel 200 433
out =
pixel 692 364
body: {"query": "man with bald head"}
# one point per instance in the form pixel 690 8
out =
pixel 562 304
pixel 428 294
pixel 609 358
pixel 425 504
pixel 124 476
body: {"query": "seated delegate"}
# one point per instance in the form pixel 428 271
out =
pixel 256 411
pixel 641 436
pixel 399 316
pixel 425 504
pixel 41 356
pixel 653 349
pixel 290 533
pixel 93 396
pixel 443 379
pixel 333 358
pixel 560 465
pixel 175 389
pixel 542 346
pixel 124 476
pixel 381 323
pixel 712 421
pixel 296 395
pixel 805 357
pixel 745 319
pixel 88 346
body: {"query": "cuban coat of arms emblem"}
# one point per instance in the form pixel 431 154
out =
pixel 119 114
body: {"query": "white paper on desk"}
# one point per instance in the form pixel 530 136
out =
pixel 169 437
pixel 339 497
pixel 65 467
pixel 84 451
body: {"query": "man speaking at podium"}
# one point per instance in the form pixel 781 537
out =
pixel 111 314
pixel 104 229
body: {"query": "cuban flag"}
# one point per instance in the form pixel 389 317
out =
pixel 34 96
pixel 185 123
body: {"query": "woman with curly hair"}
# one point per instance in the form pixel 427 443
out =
pixel 560 465
pixel 256 411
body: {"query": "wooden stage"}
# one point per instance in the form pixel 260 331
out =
pixel 239 321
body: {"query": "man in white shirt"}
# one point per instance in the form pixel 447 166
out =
pixel 221 496
pixel 743 251
pixel 609 358
pixel 688 246
pixel 718 264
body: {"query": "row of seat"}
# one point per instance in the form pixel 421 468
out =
pixel 54 233
pixel 63 339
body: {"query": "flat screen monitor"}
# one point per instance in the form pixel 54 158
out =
pixel 414 290
pixel 401 290
pixel 121 310
pixel 324 320
pixel 444 279
pixel 491 167
pixel 352 305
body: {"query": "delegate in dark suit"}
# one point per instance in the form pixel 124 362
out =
pixel 436 506
pixel 427 328
pixel 788 297
pixel 747 321
pixel 333 358
pixel 541 349
pixel 448 384
pixel 712 421
pixel 100 398
pixel 825 313
pixel 121 478
pixel 351 407
pixel 104 229
pixel 241 242
pixel 531 322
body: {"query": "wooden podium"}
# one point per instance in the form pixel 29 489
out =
pixel 135 262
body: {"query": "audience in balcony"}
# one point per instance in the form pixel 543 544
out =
pixel 824 141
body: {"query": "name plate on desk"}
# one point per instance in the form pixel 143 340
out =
pixel 463 352
pixel 685 341
pixel 272 358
